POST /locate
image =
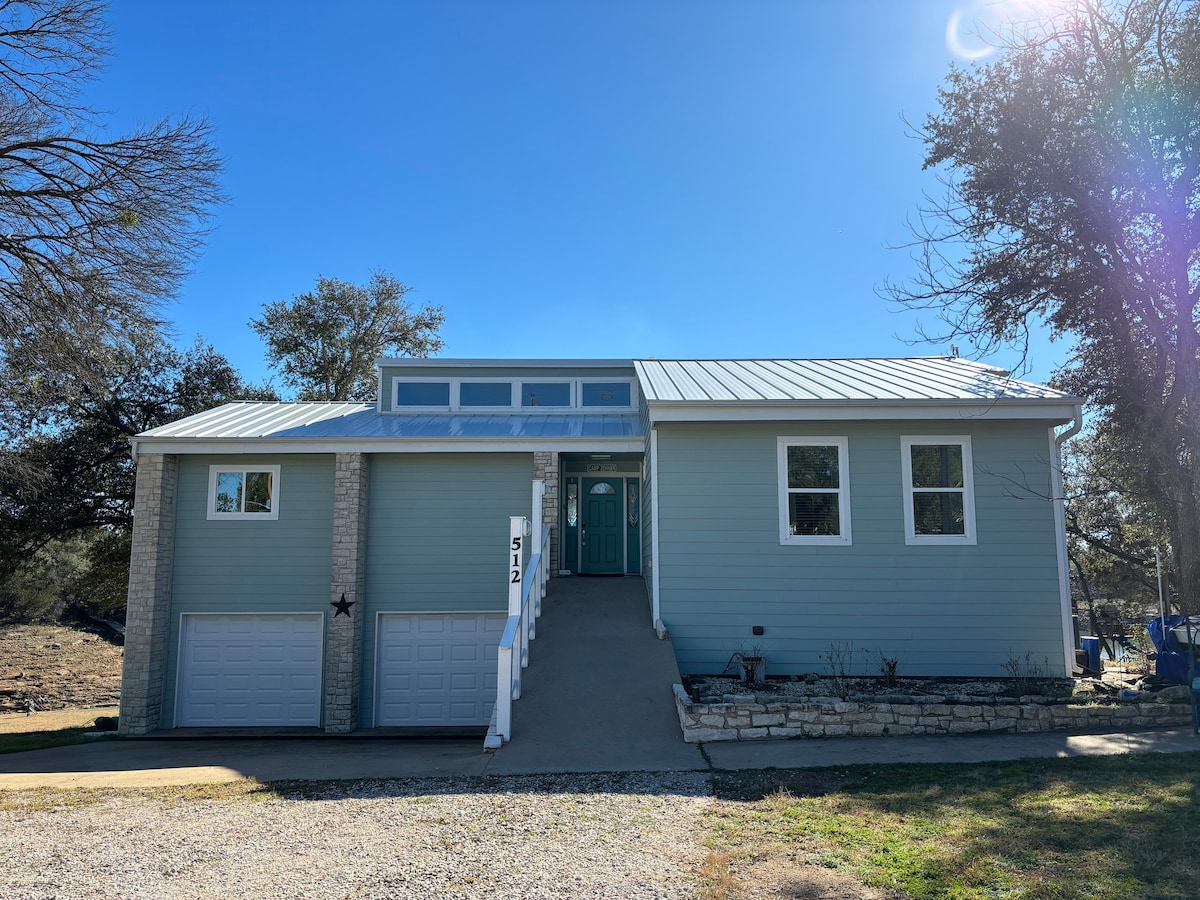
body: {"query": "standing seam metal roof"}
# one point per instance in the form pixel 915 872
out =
pixel 831 380
pixel 316 421
pixel 703 381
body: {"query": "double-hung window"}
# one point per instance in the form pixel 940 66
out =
pixel 939 490
pixel 250 492
pixel 814 490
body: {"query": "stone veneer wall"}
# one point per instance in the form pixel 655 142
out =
pixel 343 637
pixel 545 468
pixel 149 599
pixel 748 717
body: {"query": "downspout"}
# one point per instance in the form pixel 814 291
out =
pixel 1057 492
pixel 656 618
pixel 133 450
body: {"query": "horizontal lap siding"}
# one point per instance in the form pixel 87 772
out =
pixel 950 610
pixel 234 566
pixel 437 526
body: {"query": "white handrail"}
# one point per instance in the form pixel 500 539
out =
pixel 526 588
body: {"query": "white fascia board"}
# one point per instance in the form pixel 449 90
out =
pixel 838 411
pixel 392 445
pixel 439 362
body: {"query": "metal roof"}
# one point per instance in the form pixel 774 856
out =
pixel 313 421
pixel 259 419
pixel 679 390
pixel 832 380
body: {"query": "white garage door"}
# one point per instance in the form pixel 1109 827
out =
pixel 437 669
pixel 257 669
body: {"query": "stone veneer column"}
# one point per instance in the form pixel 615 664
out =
pixel 545 468
pixel 343 637
pixel 147 612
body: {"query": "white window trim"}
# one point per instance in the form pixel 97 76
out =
pixel 245 516
pixel 844 539
pixel 907 442
pixel 580 382
pixel 398 407
pixel 519 394
pixel 455 396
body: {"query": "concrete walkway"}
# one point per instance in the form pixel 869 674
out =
pixel 597 693
pixel 596 698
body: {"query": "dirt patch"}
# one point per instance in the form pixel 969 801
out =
pixel 48 667
pixel 53 720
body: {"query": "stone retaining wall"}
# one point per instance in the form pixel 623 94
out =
pixel 748 717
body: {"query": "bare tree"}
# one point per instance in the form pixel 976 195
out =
pixel 77 210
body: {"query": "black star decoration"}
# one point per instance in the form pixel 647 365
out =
pixel 343 607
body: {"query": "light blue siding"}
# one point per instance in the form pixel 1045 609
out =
pixel 943 610
pixel 237 566
pixel 437 526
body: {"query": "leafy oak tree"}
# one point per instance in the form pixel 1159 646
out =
pixel 1072 173
pixel 67 493
pixel 325 342
pixel 77 209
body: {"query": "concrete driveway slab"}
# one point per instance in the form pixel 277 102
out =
pixel 148 763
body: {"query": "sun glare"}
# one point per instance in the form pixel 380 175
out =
pixel 974 30
pixel 955 44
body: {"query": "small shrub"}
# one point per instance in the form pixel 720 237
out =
pixel 839 660
pixel 1025 671
pixel 888 666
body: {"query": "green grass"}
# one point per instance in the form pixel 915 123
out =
pixel 40 740
pixel 1115 827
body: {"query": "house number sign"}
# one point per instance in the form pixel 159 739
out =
pixel 514 571
pixel 598 467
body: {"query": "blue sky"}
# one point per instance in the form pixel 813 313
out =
pixel 594 179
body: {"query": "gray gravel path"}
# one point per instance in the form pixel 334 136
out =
pixel 580 836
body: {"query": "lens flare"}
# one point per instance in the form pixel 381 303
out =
pixel 955 44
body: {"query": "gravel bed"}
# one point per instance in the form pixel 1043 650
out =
pixel 602 836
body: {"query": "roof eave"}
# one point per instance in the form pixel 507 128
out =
pixel 384 444
pixel 1044 408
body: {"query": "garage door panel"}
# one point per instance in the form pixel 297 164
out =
pixel 431 624
pixel 466 653
pixel 254 669
pixel 466 681
pixel 450 661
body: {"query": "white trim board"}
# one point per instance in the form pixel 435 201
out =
pixel 841 411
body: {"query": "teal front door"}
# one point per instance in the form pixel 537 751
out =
pixel 602 529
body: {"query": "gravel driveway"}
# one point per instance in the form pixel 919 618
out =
pixel 579 836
